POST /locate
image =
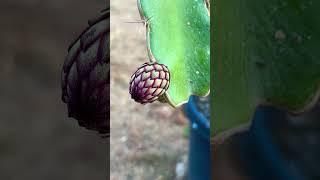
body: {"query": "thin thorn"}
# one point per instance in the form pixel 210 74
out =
pixel 148 19
pixel 141 21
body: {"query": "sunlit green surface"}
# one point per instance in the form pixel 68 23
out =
pixel 179 37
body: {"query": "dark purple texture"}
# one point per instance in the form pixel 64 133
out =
pixel 85 76
pixel 149 82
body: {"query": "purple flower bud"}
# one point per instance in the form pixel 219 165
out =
pixel 149 82
pixel 85 76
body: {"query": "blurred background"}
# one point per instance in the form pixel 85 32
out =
pixel 147 141
pixel 37 139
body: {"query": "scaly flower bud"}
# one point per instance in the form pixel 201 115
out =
pixel 85 76
pixel 149 82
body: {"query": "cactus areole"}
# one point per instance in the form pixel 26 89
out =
pixel 178 36
pixel 85 76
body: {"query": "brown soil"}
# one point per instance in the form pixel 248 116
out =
pixel 147 141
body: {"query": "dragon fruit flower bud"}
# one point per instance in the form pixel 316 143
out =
pixel 149 82
pixel 85 76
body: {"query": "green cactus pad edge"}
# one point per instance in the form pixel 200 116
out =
pixel 266 52
pixel 178 35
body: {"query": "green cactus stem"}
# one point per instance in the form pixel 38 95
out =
pixel 178 36
pixel 265 52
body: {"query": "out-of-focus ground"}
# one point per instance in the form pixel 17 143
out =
pixel 147 141
pixel 37 139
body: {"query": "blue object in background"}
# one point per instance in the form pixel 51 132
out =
pixel 261 156
pixel 199 150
